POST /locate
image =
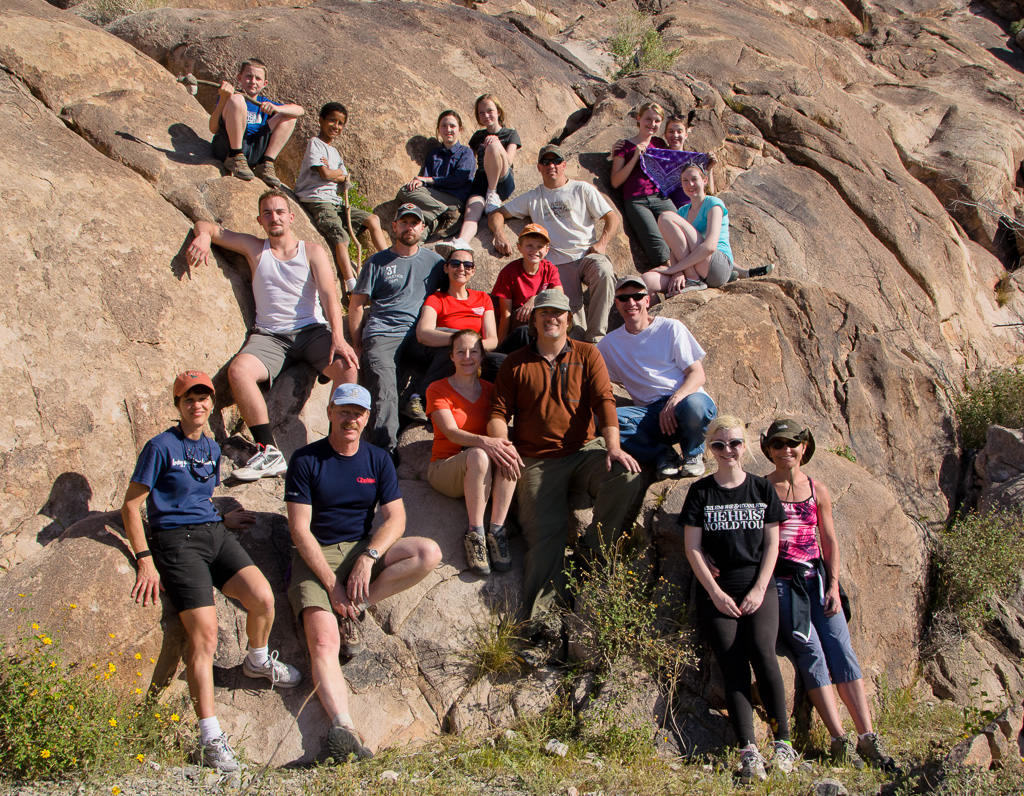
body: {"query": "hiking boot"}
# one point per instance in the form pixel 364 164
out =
pixel 413 409
pixel 763 270
pixel 843 751
pixel 668 465
pixel 693 284
pixel 238 166
pixel 693 466
pixel 444 222
pixel 491 202
pixel 783 756
pixel 268 462
pixel 265 171
pixel 343 742
pixel 352 637
pixel 276 671
pixel 218 755
pixel 536 652
pixel 872 751
pixel 497 547
pixel 476 553
pixel 733 276
pixel 751 765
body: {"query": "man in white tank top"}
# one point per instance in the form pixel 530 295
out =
pixel 293 284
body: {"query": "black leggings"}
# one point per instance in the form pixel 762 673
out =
pixel 738 645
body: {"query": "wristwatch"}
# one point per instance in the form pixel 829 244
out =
pixel 372 554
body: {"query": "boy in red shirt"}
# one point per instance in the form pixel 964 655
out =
pixel 517 285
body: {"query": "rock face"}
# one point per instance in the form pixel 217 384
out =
pixel 871 154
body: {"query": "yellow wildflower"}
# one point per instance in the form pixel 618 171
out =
pixel 111 667
pixel 46 640
pixel 140 757
pixel 111 635
pixel 72 605
pixel 35 626
pixel 112 722
pixel 138 656
pixel 138 690
pixel 115 790
pixel 175 717
pixel 44 754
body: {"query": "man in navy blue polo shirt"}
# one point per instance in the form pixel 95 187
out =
pixel 339 567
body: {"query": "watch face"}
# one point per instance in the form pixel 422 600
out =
pixel 372 554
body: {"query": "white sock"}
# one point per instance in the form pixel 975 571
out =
pixel 350 284
pixel 862 736
pixel 342 720
pixel 209 729
pixel 258 656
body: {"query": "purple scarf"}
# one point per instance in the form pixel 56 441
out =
pixel 665 166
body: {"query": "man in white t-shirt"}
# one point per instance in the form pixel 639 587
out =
pixel 569 210
pixel 658 361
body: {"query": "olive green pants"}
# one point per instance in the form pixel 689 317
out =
pixel 542 496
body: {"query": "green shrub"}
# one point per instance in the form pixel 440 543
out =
pixel 638 45
pixel 56 719
pixel 979 555
pixel 494 648
pixel 620 613
pixel 1016 27
pixel 989 399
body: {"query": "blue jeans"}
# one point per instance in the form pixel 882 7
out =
pixel 641 436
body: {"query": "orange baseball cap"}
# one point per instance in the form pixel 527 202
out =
pixel 534 229
pixel 189 379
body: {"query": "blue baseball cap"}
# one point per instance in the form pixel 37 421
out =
pixel 351 394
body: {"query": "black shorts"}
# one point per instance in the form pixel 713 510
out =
pixel 193 559
pixel 253 146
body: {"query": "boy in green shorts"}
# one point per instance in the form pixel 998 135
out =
pixel 322 173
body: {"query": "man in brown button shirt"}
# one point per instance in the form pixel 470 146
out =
pixel 552 389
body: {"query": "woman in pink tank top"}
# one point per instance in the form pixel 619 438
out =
pixel 812 627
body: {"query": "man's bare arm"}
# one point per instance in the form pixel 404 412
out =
pixel 206 234
pixel 323 275
pixel 612 222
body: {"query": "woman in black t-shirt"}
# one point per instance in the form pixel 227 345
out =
pixel 731 524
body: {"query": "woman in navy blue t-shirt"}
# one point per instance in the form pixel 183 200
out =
pixel 189 550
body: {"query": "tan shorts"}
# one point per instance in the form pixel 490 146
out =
pixel 448 476
pixel 306 590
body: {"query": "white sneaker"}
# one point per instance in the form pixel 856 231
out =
pixel 491 202
pixel 267 463
pixel 693 466
pixel 446 247
pixel 218 755
pixel 278 672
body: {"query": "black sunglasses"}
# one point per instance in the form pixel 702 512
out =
pixel 469 265
pixel 719 445
pixel 778 443
pixel 637 297
pixel 197 466
pixel 552 161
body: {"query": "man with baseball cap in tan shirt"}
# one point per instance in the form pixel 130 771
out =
pixel 552 389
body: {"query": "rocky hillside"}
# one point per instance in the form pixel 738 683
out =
pixel 871 151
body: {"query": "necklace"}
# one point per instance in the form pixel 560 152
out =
pixel 199 458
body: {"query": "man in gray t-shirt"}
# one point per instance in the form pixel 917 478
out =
pixel 395 283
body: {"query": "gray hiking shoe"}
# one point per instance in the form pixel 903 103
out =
pixel 751 765
pixel 872 750
pixel 218 755
pixel 266 172
pixel 497 547
pixel 476 553
pixel 277 672
pixel 413 409
pixel 238 166
pixel 352 637
pixel 783 757
pixel 344 742
pixel 693 466
pixel 693 284
pixel 267 463
pixel 843 751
